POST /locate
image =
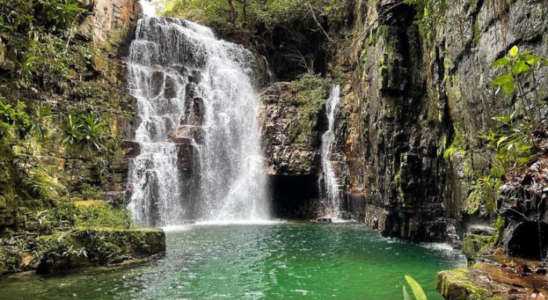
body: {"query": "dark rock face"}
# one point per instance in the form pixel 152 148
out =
pixel 279 119
pixel 291 148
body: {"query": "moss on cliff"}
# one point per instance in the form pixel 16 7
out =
pixel 311 99
pixel 57 66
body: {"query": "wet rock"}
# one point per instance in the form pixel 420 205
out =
pixel 194 112
pixel 523 239
pixel 195 133
pixel 190 90
pixel 181 70
pixel 185 155
pixel 482 230
pixel 452 233
pixel 171 87
pixel 156 81
pixel 196 77
pixel 131 148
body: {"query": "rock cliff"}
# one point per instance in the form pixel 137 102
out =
pixel 416 96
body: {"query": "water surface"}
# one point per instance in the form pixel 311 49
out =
pixel 269 261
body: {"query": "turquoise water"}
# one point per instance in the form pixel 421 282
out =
pixel 274 262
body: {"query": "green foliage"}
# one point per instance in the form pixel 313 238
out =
pixel 60 12
pixel 72 129
pixel 93 131
pixel 46 186
pixel 517 65
pixel 42 115
pixel 91 192
pixel 311 99
pixel 26 25
pixel 12 118
pixel 429 15
pixel 52 95
pixel 85 131
pixel 416 288
pixel 241 12
pixel 102 215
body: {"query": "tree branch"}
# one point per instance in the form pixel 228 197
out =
pixel 317 22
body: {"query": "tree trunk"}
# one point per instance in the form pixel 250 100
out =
pixel 233 15
pixel 244 10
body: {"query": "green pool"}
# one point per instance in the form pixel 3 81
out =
pixel 272 261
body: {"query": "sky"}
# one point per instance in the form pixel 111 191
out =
pixel 148 8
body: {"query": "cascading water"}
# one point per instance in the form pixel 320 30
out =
pixel 194 92
pixel 329 184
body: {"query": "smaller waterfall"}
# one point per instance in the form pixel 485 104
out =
pixel 330 186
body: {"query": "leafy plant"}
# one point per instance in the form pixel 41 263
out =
pixel 42 114
pixel 518 65
pixel 72 128
pixel 511 141
pixel 416 288
pixel 12 117
pixel 81 133
pixel 92 131
pixel 61 13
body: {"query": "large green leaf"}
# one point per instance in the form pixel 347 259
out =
pixel 504 79
pixel 509 88
pixel 416 288
pixel 501 62
pixel 521 67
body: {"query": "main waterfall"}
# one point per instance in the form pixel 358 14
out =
pixel 200 146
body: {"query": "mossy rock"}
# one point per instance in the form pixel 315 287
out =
pixel 473 244
pixel 459 284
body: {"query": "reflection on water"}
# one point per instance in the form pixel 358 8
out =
pixel 268 261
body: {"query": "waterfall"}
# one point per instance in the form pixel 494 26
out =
pixel 330 186
pixel 201 155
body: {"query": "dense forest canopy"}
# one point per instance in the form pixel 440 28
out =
pixel 268 12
